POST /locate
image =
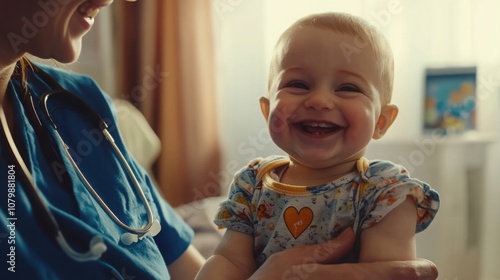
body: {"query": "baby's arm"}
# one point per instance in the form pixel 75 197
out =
pixel 232 259
pixel 393 238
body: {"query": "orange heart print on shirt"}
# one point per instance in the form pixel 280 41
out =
pixel 297 221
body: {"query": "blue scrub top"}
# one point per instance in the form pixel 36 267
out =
pixel 32 254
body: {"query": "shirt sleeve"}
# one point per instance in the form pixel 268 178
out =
pixel 387 185
pixel 235 213
pixel 175 235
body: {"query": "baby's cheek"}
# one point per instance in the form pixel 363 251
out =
pixel 279 116
pixel 276 123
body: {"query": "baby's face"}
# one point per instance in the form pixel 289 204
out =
pixel 323 102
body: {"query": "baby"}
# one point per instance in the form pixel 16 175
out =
pixel 329 93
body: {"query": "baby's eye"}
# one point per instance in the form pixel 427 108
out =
pixel 348 88
pixel 297 84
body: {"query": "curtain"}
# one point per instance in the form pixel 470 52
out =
pixel 166 65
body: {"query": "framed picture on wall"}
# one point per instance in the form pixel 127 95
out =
pixel 450 99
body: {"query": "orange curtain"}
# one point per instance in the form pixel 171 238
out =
pixel 167 70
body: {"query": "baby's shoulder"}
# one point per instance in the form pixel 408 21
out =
pixel 384 168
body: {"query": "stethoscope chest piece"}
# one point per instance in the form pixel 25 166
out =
pixel 128 238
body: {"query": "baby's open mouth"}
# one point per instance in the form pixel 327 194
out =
pixel 318 128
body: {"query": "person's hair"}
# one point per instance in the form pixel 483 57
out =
pixel 354 26
pixel 21 72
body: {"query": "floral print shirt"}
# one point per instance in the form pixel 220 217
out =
pixel 281 216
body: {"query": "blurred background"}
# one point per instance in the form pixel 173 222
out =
pixel 194 71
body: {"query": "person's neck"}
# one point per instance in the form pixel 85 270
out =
pixel 300 175
pixel 7 66
pixel 8 60
pixel 5 74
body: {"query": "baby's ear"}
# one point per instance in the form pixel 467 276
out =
pixel 264 107
pixel 387 116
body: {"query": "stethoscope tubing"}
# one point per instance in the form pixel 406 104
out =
pixel 71 98
pixel 42 212
pixel 50 224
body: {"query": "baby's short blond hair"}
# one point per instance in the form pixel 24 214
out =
pixel 354 26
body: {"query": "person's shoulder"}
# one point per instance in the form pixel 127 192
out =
pixel 80 85
pixel 68 79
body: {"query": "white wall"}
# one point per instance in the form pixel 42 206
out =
pixel 423 33
pixel 242 80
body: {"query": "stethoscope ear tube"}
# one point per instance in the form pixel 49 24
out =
pixel 96 249
pixel 66 98
pixel 77 103
pixel 47 221
pixel 40 210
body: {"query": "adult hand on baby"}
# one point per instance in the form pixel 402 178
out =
pixel 317 262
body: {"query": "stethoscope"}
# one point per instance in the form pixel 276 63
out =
pixel 41 210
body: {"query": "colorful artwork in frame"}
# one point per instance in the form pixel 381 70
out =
pixel 450 99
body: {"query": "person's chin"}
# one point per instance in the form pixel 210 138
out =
pixel 70 54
